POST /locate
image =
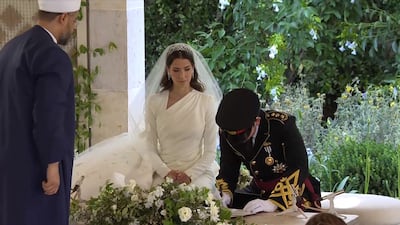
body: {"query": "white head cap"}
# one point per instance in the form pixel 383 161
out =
pixel 59 6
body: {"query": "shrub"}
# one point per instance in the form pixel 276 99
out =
pixel 362 141
pixel 357 150
pixel 371 167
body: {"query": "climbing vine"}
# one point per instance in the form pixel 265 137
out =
pixel 85 97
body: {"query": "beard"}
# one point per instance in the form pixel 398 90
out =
pixel 64 38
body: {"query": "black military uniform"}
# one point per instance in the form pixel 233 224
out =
pixel 276 156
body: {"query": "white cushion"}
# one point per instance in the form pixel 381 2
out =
pixel 372 209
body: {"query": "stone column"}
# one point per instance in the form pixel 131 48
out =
pixel 121 71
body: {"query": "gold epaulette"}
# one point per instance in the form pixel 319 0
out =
pixel 276 115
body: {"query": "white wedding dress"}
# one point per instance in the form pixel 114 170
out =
pixel 182 137
pixel 108 160
pixel 186 141
pixel 185 136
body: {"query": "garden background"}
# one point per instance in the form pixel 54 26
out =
pixel 332 64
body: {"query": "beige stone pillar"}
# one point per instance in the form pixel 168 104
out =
pixel 122 70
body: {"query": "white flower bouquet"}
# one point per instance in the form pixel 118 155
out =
pixel 167 204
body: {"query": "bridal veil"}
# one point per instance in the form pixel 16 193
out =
pixel 120 158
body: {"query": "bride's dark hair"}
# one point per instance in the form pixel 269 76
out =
pixel 180 51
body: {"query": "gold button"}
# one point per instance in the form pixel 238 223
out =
pixel 253 163
pixel 262 192
pixel 256 172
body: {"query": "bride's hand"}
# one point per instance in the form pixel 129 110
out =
pixel 183 178
pixel 173 174
pixel 179 177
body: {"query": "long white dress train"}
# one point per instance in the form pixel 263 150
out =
pixel 101 162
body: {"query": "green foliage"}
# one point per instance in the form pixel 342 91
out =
pixel 359 149
pixel 368 114
pixel 85 98
pixel 264 45
pixel 171 21
pixel 327 44
pixel 297 100
pixel 361 142
pixel 235 50
pixel 244 177
pixel 371 167
pixel 167 204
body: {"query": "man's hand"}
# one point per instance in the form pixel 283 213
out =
pixel 225 199
pixel 259 205
pixel 52 184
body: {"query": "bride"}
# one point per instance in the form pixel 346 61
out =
pixel 175 137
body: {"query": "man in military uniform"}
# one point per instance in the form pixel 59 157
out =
pixel 270 145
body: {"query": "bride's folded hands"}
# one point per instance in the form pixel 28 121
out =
pixel 183 178
pixel 179 177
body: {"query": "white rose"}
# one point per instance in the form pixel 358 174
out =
pixel 132 184
pixel 185 214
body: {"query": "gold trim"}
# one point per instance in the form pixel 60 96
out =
pixel 223 186
pixel 282 193
pixel 275 115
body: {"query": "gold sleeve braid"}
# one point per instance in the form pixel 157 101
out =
pixel 222 186
pixel 282 193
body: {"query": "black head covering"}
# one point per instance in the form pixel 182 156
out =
pixel 238 110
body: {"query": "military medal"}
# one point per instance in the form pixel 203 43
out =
pixel 269 160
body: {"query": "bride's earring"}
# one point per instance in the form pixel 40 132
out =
pixel 168 76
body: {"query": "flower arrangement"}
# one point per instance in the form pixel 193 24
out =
pixel 167 204
pixel 244 177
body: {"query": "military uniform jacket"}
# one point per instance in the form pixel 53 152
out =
pixel 276 161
